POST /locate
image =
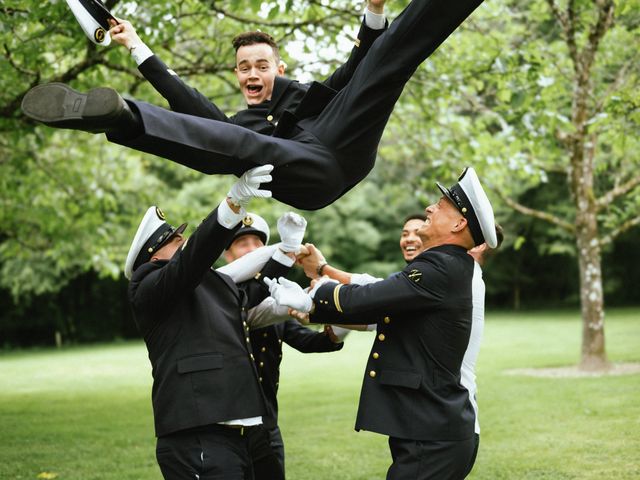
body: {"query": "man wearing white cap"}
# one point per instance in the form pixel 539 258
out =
pixel 276 328
pixel 412 388
pixel 206 394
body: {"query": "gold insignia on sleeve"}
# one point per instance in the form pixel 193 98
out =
pixel 415 275
pixel 247 221
pixel 336 297
pixel 357 42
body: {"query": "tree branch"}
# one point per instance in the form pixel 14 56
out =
pixel 621 77
pixel 267 23
pixel 7 110
pixel 616 232
pixel 598 31
pixel 567 22
pixel 617 191
pixel 547 217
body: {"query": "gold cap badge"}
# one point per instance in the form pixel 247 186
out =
pixel 247 221
pixel 99 35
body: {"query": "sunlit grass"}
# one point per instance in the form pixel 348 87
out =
pixel 85 413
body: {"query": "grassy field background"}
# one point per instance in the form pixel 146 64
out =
pixel 85 412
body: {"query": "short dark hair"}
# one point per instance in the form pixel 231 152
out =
pixel 415 216
pixel 253 38
pixel 499 235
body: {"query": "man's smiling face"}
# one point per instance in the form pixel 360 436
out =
pixel 256 70
pixel 410 242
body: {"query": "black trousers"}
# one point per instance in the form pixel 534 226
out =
pixel 277 444
pixel 214 452
pixel 421 460
pixel 327 155
pixel 268 464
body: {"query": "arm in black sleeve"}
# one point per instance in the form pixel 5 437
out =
pixel 160 288
pixel 306 340
pixel 422 285
pixel 181 97
pixel 366 37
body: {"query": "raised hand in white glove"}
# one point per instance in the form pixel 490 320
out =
pixel 248 186
pixel 290 294
pixel 291 227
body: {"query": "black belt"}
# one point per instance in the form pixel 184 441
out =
pixel 241 430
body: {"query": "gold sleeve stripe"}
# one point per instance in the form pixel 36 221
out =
pixel 357 42
pixel 336 297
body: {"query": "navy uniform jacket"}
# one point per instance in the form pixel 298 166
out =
pixel 267 347
pixel 411 386
pixel 192 321
pixel 322 139
pixel 290 101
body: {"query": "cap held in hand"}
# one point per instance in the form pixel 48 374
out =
pixel 94 18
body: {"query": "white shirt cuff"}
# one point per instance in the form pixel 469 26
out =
pixel 280 257
pixel 363 279
pixel 244 422
pixel 375 21
pixel 227 217
pixel 140 53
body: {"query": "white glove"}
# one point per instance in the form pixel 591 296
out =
pixel 290 294
pixel 248 186
pixel 291 227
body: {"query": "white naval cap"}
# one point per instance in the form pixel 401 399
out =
pixel 153 232
pixel 253 224
pixel 93 17
pixel 468 196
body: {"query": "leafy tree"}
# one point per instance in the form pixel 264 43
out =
pixel 536 89
pixel 70 201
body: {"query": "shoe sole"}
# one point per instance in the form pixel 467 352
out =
pixel 59 105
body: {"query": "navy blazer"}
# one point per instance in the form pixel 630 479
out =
pixel 290 102
pixel 411 386
pixel 192 319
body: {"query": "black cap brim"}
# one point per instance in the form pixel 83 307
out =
pixel 248 231
pixel 447 193
pixel 177 231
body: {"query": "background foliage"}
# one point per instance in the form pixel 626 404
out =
pixel 494 96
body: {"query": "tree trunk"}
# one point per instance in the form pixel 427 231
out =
pixel 594 356
pixel 582 167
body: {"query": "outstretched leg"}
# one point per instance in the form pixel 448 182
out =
pixel 305 176
pixel 352 124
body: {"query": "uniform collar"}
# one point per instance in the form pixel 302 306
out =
pixel 449 248
pixel 280 86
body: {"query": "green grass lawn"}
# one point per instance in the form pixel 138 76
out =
pixel 85 413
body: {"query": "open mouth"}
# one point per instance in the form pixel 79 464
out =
pixel 254 89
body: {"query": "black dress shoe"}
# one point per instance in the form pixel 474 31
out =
pixel 58 105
